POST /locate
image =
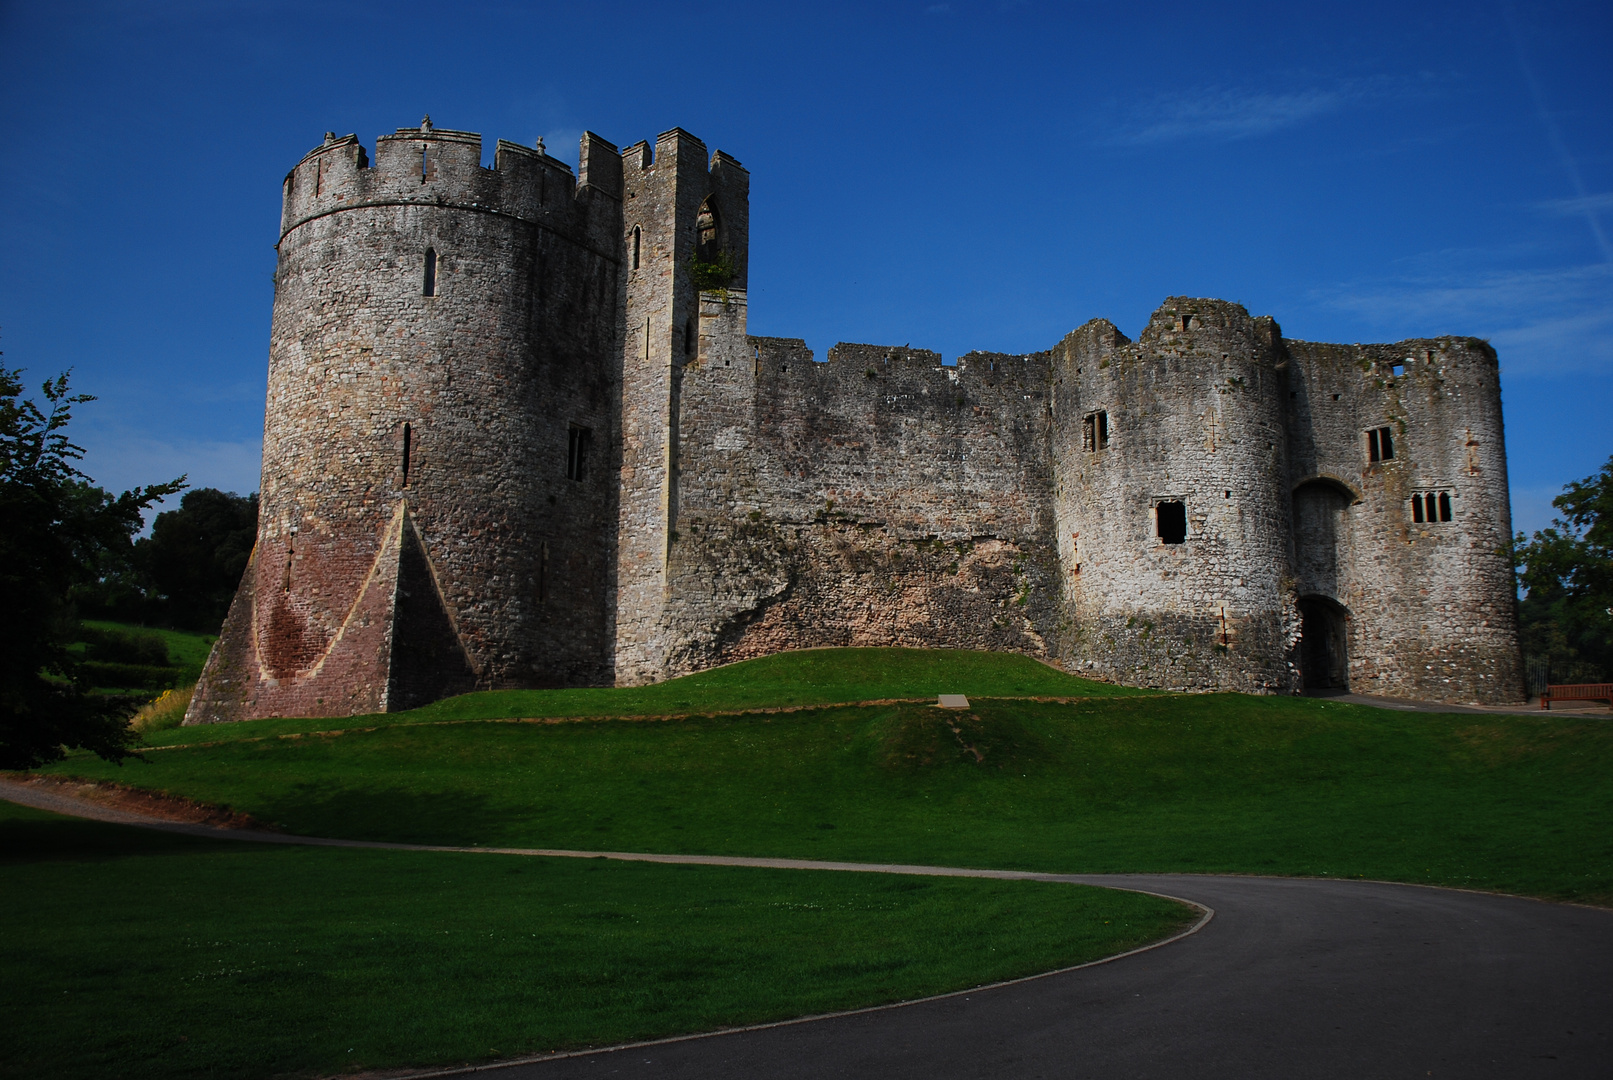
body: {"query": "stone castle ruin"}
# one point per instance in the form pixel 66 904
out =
pixel 510 442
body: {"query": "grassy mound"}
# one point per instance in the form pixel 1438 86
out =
pixel 1223 783
pixel 785 681
pixel 138 954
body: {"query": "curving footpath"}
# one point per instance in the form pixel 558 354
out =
pixel 1293 977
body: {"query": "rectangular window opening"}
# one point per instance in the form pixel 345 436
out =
pixel 577 452
pixel 408 445
pixel 1431 507
pixel 1380 445
pixel 1172 519
pixel 1095 431
pixel 429 286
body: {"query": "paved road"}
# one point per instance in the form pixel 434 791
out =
pixel 1291 978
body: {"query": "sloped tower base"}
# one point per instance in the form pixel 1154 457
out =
pixel 397 649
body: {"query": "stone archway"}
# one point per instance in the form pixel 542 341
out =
pixel 1324 643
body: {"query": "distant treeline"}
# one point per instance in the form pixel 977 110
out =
pixel 185 573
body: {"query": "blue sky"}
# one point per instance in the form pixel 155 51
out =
pixel 951 175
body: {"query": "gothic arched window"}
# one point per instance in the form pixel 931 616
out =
pixel 706 233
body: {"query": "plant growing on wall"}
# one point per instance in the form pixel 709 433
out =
pixel 714 275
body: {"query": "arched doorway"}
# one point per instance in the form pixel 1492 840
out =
pixel 1323 643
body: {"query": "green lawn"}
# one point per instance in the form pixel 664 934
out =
pixel 788 680
pixel 185 649
pixel 1120 783
pixel 144 679
pixel 134 953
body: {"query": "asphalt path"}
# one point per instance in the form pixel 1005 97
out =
pixel 1292 977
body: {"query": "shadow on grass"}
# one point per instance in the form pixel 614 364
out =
pixel 49 838
pixel 390 814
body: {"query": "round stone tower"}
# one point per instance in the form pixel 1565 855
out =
pixel 439 390
pixel 1172 500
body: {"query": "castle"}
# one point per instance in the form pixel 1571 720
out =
pixel 510 443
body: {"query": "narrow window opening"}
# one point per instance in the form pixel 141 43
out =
pixel 1431 507
pixel 1095 431
pixel 637 238
pixel 577 452
pixel 408 440
pixel 1444 506
pixel 1172 518
pixel 425 165
pixel 430 286
pixel 1380 445
pixel 291 555
pixel 543 572
pixel 1417 509
pixel 688 338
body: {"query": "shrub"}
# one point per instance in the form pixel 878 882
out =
pixel 717 274
pixel 125 647
pixel 164 712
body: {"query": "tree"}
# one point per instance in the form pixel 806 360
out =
pixel 196 555
pixel 56 530
pixel 1567 614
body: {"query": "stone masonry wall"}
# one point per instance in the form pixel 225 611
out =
pixel 664 193
pixel 1193 416
pixel 1431 608
pixel 879 498
pixel 486 376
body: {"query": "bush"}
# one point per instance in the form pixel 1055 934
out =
pixel 125 647
pixel 162 713
pixel 717 274
pixel 104 675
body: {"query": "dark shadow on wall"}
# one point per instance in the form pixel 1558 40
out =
pixel 428 660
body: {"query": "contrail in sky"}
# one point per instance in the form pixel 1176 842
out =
pixel 1555 136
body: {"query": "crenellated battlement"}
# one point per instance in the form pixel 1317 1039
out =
pixel 441 167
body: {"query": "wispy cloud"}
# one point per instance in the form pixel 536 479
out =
pixel 118 458
pixel 1227 113
pixel 1586 204
pixel 1541 321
